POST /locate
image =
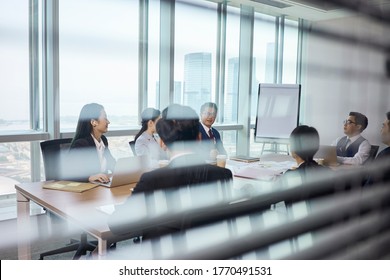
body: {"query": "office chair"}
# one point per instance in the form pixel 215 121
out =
pixel 132 146
pixel 53 152
pixel 373 152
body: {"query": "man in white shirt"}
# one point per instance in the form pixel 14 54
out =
pixel 353 148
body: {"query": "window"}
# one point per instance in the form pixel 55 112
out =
pixel 98 52
pixel 153 53
pixel 290 52
pixel 263 56
pixel 14 66
pixel 195 52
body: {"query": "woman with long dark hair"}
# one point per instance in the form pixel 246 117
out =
pixel 146 143
pixel 91 159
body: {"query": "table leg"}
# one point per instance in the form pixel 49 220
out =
pixel 102 247
pixel 24 227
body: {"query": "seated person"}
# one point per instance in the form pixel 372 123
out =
pixel 385 137
pixel 89 156
pixel 304 143
pixel 179 130
pixel 145 142
pixel 384 156
pixel 353 148
pixel 209 135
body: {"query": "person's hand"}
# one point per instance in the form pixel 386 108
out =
pixel 101 177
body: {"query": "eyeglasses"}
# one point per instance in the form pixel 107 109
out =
pixel 347 122
pixel 208 114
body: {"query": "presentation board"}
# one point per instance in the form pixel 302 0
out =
pixel 277 112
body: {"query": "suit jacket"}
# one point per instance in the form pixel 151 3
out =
pixel 209 142
pixel 178 173
pixel 384 154
pixel 83 159
pixel 306 171
pixel 182 171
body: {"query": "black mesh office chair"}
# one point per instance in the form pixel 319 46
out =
pixel 132 146
pixel 53 154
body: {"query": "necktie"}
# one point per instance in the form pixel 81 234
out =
pixel 211 135
pixel 344 147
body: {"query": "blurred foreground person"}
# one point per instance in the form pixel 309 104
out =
pixel 179 131
pixel 304 143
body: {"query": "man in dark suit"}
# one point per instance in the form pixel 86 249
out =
pixel 383 158
pixel 385 136
pixel 210 137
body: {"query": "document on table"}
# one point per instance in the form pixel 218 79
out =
pixel 264 170
pixel 107 209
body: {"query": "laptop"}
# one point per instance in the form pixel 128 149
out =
pixel 328 154
pixel 128 170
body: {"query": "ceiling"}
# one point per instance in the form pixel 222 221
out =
pixel 315 10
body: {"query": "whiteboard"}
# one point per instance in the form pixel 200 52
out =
pixel 277 112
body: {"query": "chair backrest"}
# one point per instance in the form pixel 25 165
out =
pixel 373 152
pixel 132 146
pixel 53 157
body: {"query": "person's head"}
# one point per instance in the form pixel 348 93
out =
pixel 92 120
pixel 304 142
pixel 178 126
pixel 355 124
pixel 385 131
pixel 208 113
pixel 149 117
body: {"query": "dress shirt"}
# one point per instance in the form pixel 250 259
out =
pixel 100 147
pixel 360 157
pixel 146 145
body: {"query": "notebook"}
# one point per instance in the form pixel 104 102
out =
pixel 245 158
pixel 328 154
pixel 127 170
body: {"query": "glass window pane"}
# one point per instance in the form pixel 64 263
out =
pixel 290 52
pixel 263 56
pixel 153 53
pixel 195 47
pixel 14 65
pixel 15 161
pixel 231 65
pixel 99 60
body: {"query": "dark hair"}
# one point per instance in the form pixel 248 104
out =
pixel 208 105
pixel 360 119
pixel 89 112
pixel 178 124
pixel 305 142
pixel 388 115
pixel 149 114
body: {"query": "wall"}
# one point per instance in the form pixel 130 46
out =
pixel 339 77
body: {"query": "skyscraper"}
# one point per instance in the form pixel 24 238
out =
pixel 197 79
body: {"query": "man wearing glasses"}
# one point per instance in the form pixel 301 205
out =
pixel 209 135
pixel 353 148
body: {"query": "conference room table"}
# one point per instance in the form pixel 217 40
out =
pixel 86 209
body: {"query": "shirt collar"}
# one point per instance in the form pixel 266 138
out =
pixel 353 138
pixel 206 128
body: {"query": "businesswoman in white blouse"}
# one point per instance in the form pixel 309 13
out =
pixel 146 143
pixel 90 159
